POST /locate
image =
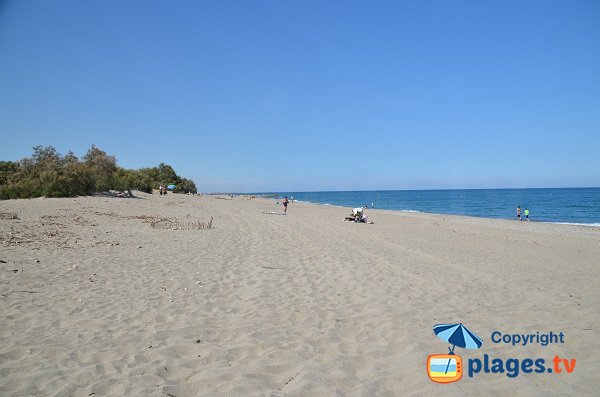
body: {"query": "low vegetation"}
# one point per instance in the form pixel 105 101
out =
pixel 49 174
pixel 179 224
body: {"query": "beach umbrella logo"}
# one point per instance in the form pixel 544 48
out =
pixel 447 368
pixel 171 187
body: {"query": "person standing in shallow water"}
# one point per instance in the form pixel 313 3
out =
pixel 519 213
pixel 527 214
pixel 285 204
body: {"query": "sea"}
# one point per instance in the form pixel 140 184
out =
pixel 557 205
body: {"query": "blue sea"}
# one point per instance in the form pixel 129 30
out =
pixel 564 205
pixel 443 365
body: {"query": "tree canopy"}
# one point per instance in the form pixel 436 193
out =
pixel 48 173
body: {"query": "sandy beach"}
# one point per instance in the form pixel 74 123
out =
pixel 98 302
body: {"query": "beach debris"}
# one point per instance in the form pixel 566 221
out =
pixel 92 278
pixel 198 341
pixel 75 267
pixel 192 374
pixel 139 246
pixel 198 282
pixel 37 261
pixel 91 394
pixel 3 261
pixel 48 230
pixel 24 292
pixel 15 270
pixel 178 224
pixel 291 379
pixel 273 268
pixel 8 215
pixel 163 288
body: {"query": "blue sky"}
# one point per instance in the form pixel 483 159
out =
pixel 311 95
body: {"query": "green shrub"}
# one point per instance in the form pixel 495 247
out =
pixel 47 173
pixel 185 186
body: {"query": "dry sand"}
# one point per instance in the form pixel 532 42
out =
pixel 95 301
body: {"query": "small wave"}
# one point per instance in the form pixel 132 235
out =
pixel 578 224
pixel 409 211
pixel 334 205
pixel 317 203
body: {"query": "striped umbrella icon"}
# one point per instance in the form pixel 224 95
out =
pixel 457 335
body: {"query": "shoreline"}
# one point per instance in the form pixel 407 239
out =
pixel 591 226
pixel 577 206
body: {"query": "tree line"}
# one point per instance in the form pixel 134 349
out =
pixel 47 173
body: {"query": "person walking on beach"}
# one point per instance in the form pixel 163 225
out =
pixel 285 204
pixel 527 214
pixel 519 213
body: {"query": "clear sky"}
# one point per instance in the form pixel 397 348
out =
pixel 311 95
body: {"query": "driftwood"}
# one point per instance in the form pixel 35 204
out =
pixel 178 224
pixel 25 292
pixel 8 215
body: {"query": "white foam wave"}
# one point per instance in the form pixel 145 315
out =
pixel 578 224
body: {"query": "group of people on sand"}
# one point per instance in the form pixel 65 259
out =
pixel 358 215
pixel 162 190
pixel 526 213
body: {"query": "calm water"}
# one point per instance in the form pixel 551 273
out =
pixel 578 205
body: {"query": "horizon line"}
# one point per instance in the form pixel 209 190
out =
pixel 407 190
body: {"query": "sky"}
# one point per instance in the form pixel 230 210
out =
pixel 259 96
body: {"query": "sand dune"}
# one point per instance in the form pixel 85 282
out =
pixel 96 300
